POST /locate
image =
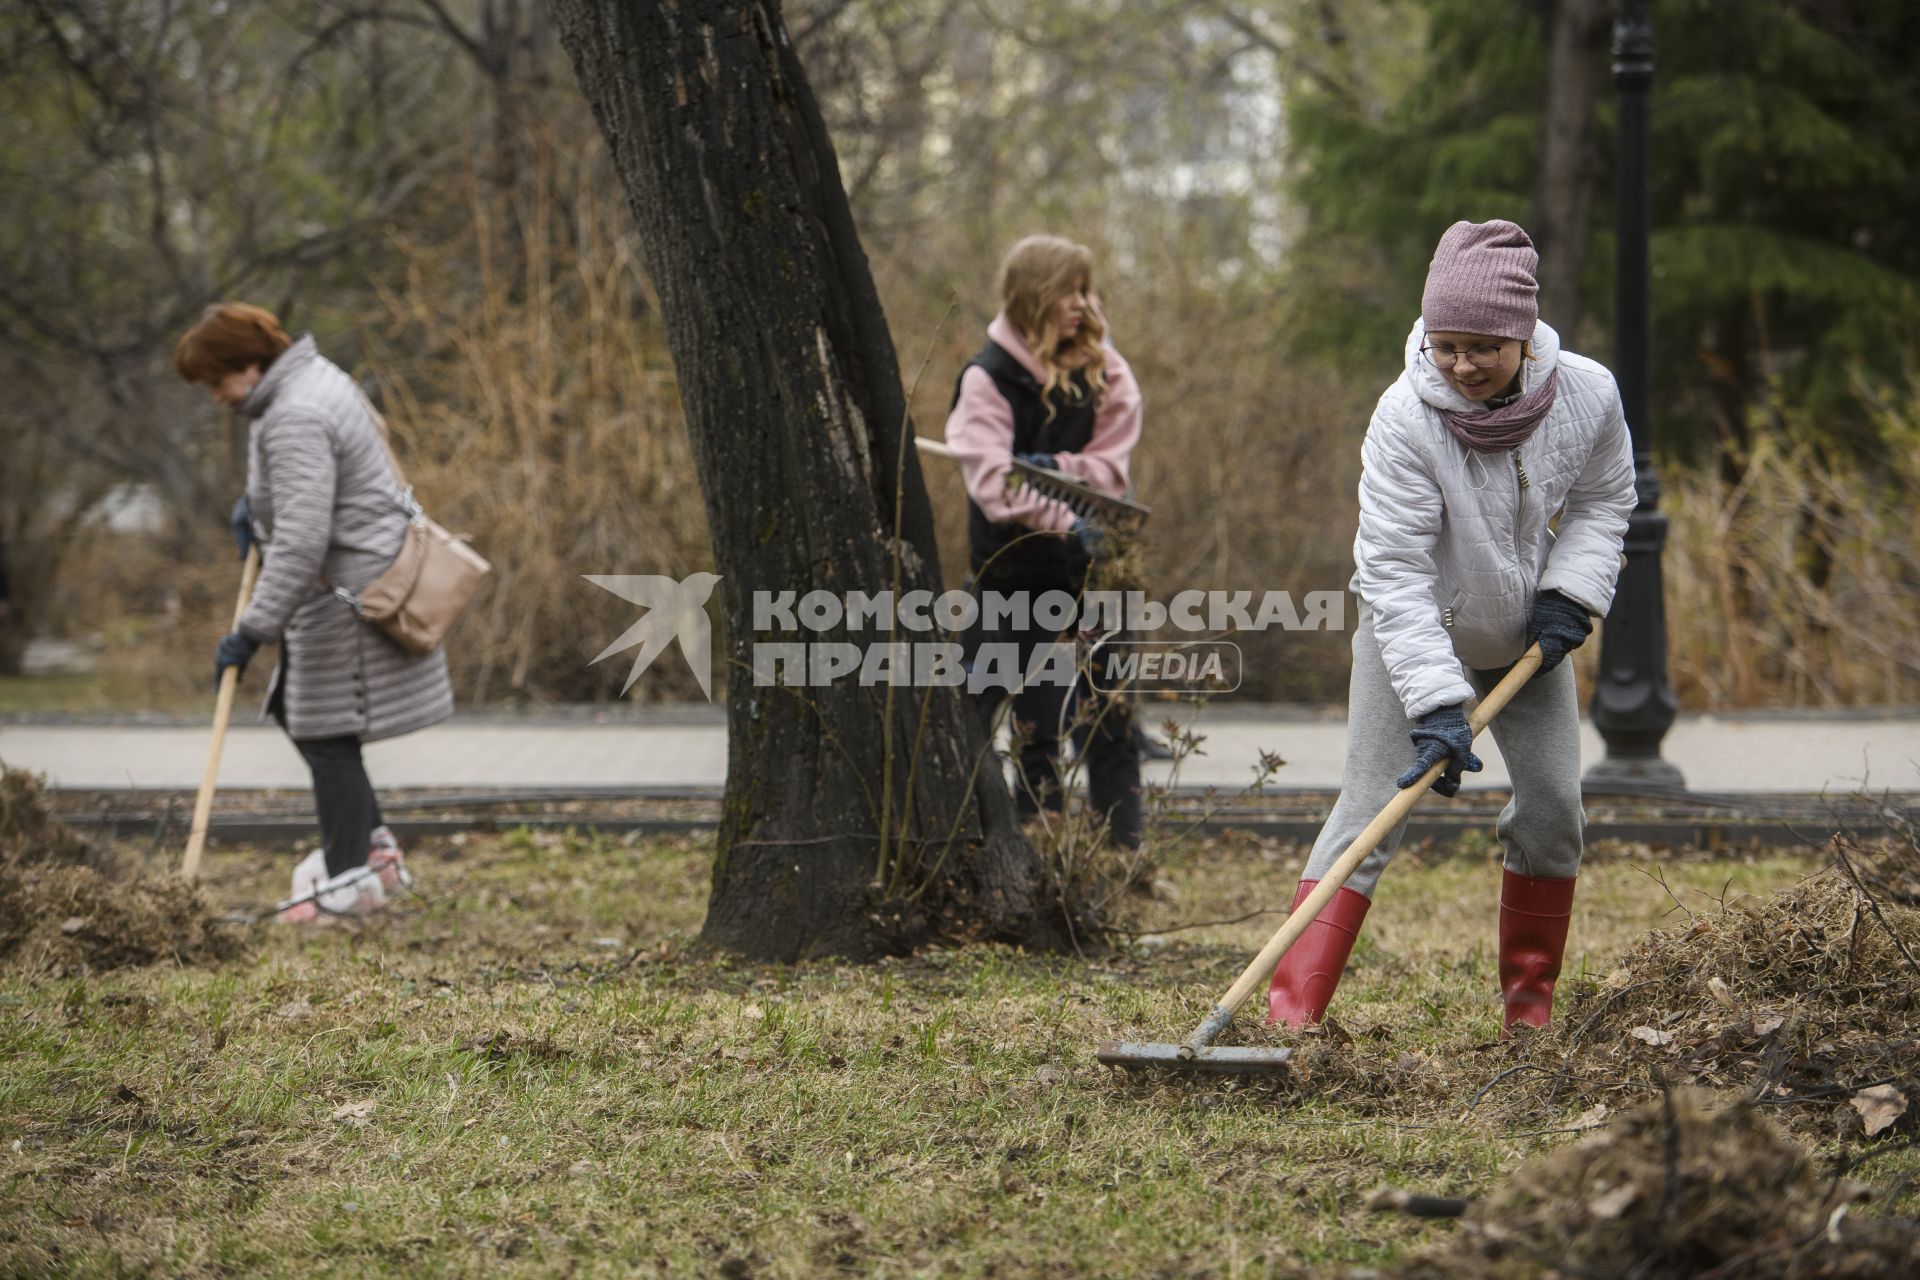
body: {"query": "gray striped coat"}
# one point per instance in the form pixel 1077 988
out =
pixel 326 508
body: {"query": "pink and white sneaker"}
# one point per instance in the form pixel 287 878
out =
pixel 299 907
pixel 316 896
pixel 354 892
pixel 386 858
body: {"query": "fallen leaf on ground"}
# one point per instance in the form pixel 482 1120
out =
pixel 1880 1106
pixel 357 1114
pixel 1647 1035
pixel 1611 1204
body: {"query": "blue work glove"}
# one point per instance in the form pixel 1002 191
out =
pixel 236 650
pixel 1039 460
pixel 1443 734
pixel 1090 537
pixel 242 522
pixel 1560 625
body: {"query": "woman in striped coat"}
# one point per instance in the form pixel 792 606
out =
pixel 325 505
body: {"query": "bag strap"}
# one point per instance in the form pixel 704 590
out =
pixel 408 503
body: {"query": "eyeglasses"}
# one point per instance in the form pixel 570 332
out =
pixel 1443 356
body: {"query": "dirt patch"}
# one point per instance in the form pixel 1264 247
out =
pixel 65 908
pixel 1692 1185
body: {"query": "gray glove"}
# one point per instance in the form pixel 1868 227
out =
pixel 1560 624
pixel 1442 734
pixel 236 650
pixel 242 522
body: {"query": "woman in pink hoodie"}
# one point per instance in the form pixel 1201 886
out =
pixel 1049 389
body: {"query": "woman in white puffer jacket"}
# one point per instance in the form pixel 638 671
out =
pixel 1489 433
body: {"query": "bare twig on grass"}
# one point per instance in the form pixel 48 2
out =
pixel 1202 924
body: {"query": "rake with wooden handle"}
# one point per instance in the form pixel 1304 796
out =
pixel 223 708
pixel 1198 1052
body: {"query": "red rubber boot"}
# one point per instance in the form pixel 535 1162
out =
pixel 1304 981
pixel 1533 937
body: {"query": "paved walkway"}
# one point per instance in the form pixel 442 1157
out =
pixel 684 749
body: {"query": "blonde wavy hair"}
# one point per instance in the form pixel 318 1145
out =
pixel 1036 274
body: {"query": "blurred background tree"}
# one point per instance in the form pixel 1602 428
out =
pixel 1786 191
pixel 417 182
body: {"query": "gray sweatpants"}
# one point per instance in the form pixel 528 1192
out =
pixel 1539 737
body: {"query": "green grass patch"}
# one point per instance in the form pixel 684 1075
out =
pixel 108 690
pixel 528 1070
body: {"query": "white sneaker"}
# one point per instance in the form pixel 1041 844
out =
pixel 354 892
pixel 307 879
pixel 385 856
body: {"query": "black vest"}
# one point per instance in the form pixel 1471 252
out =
pixel 1047 561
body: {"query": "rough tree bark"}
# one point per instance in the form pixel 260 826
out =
pixel 794 405
pixel 1577 67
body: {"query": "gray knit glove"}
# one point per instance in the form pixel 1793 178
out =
pixel 1560 624
pixel 1439 735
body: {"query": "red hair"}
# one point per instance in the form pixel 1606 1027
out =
pixel 227 338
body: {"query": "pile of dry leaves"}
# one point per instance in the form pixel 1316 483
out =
pixel 66 907
pixel 1692 1185
pixel 1808 1001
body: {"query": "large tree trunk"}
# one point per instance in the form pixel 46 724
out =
pixel 793 402
pixel 1576 32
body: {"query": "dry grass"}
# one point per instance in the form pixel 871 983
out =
pixel 535 406
pixel 1796 585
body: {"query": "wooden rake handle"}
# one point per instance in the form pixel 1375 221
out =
pixel 222 709
pixel 1260 972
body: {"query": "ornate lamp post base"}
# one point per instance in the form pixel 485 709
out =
pixel 1633 775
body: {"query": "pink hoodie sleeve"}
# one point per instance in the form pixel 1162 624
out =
pixel 1116 429
pixel 980 432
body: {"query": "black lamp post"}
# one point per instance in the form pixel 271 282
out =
pixel 1633 702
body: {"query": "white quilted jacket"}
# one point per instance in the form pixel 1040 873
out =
pixel 1454 543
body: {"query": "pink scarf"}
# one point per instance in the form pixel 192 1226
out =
pixel 1507 427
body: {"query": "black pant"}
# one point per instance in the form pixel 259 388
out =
pixel 1102 731
pixel 343 799
pixel 343 796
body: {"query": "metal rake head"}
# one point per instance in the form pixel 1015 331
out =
pixel 1119 515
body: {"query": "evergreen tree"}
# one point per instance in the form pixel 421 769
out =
pixel 1786 178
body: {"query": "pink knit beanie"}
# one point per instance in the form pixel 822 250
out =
pixel 1481 281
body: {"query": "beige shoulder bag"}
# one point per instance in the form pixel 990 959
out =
pixel 430 583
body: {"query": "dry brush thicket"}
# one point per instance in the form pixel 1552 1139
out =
pixel 536 407
pixel 509 332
